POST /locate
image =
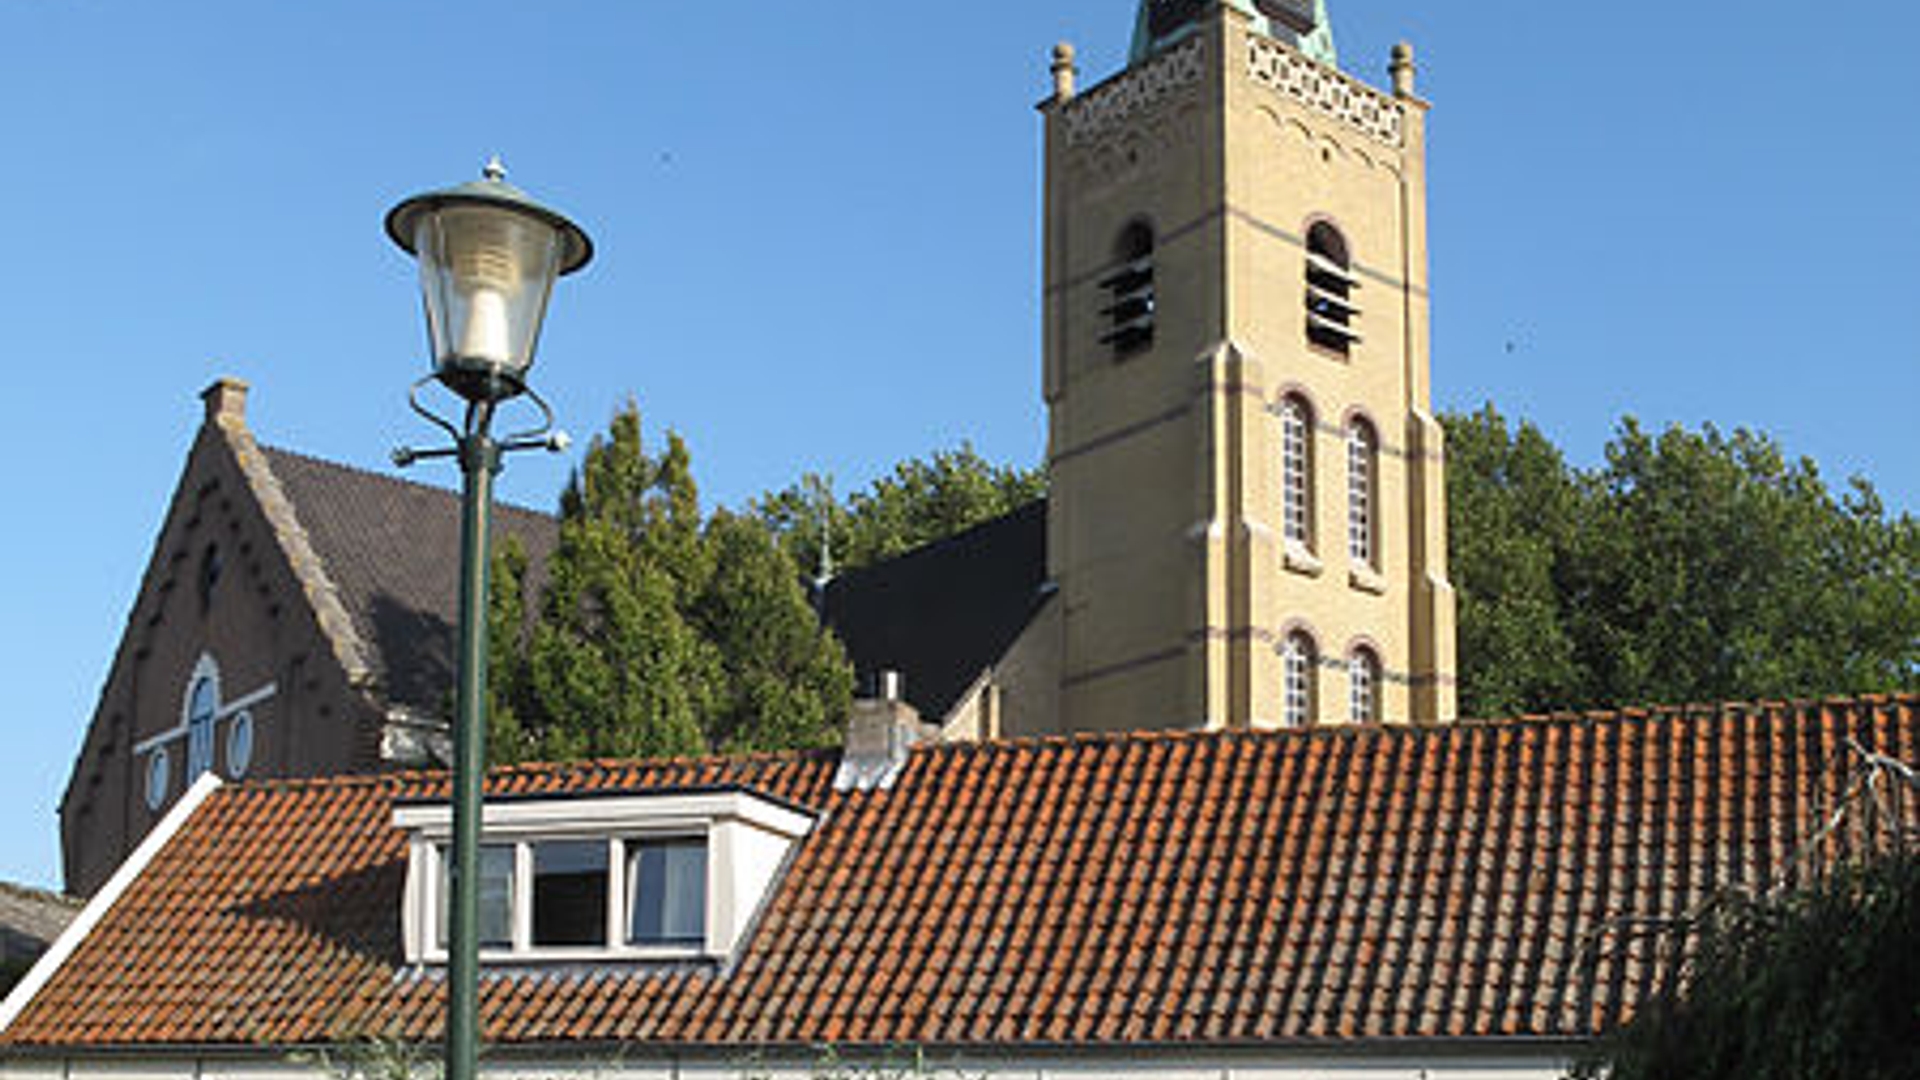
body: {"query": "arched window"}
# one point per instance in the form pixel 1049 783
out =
pixel 1298 662
pixel 1130 296
pixel 203 702
pixel 1331 314
pixel 1363 488
pixel 1363 686
pixel 1296 471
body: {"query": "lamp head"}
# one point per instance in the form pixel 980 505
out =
pixel 488 255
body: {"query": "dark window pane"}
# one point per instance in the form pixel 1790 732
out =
pixel 669 892
pixel 570 892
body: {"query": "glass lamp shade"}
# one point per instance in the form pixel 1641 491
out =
pixel 486 274
pixel 488 258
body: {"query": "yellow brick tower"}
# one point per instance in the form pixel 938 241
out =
pixel 1247 521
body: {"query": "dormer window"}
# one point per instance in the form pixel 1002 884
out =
pixel 1130 294
pixel 662 877
pixel 1331 314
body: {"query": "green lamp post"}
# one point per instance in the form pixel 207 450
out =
pixel 489 256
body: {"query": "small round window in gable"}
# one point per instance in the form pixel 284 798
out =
pixel 159 775
pixel 239 744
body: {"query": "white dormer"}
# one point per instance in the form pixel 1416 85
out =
pixel 659 876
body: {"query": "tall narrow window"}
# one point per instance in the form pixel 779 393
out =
pixel 1363 686
pixel 203 701
pixel 1298 661
pixel 1331 314
pixel 211 565
pixel 1363 519
pixel 1296 471
pixel 1130 294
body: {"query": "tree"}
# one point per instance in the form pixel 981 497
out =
pixel 922 500
pixel 657 633
pixel 1691 566
pixel 1811 985
pixel 787 682
pixel 1514 511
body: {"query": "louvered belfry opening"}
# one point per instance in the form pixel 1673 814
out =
pixel 1331 312
pixel 1131 300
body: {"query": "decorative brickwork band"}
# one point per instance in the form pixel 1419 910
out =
pixel 1095 114
pixel 1319 87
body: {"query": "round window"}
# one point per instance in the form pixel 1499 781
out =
pixel 239 744
pixel 159 774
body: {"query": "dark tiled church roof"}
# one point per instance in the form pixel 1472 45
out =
pixel 943 613
pixel 1477 881
pixel 940 614
pixel 384 543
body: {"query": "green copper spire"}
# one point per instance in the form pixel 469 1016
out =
pixel 1162 22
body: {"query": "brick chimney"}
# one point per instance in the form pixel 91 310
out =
pixel 880 732
pixel 226 402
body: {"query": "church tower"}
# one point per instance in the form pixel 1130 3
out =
pixel 1247 521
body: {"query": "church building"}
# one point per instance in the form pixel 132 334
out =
pixel 1245 528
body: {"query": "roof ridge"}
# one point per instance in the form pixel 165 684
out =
pixel 944 542
pixel 1695 708
pixel 403 777
pixel 1082 739
pixel 34 892
pixel 362 471
pixel 296 546
pixel 1345 730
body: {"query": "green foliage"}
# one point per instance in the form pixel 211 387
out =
pixel 657 633
pixel 1513 507
pixel 507 627
pixel 922 500
pixel 787 683
pixel 1691 566
pixel 1813 985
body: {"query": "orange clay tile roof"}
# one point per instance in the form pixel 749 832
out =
pixel 1173 888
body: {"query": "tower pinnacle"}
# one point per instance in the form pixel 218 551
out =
pixel 1302 24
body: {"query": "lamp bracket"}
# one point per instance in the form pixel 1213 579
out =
pixel 478 419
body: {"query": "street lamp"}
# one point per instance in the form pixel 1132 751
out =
pixel 488 257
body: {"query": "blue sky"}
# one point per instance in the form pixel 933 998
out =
pixel 817 234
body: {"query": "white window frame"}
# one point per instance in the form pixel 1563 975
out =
pixel 1363 486
pixel 155 747
pixel 1296 472
pixel 1299 663
pixel 1363 686
pixel 747 838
